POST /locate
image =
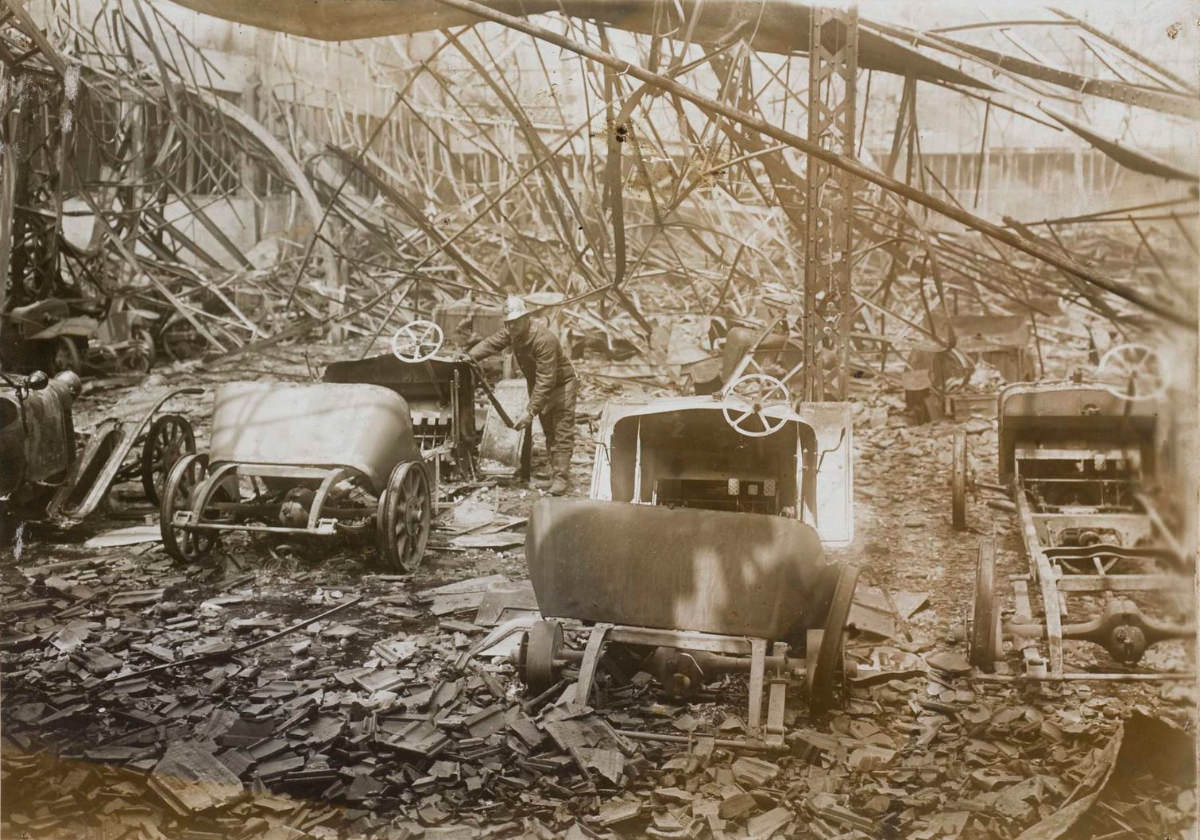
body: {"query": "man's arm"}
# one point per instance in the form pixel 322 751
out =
pixel 490 346
pixel 546 362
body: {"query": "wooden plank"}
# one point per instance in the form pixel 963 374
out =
pixel 758 655
pixel 190 779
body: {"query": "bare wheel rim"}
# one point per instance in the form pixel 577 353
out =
pixel 170 437
pixel 181 543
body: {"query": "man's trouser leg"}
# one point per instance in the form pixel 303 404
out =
pixel 561 442
pixel 548 433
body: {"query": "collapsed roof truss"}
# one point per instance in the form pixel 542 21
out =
pixel 716 211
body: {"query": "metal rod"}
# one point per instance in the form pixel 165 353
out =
pixel 1118 211
pixel 1187 236
pixel 734 743
pixel 224 654
pixel 987 112
pixel 1170 278
pixel 312 241
pixel 1113 42
pixel 491 396
pixel 1082 676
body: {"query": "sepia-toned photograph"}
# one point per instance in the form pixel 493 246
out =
pixel 599 419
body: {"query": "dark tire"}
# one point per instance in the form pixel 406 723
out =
pixel 826 667
pixel 139 356
pixel 170 437
pixel 540 648
pixel 985 615
pixel 178 339
pixel 404 518
pixel 958 482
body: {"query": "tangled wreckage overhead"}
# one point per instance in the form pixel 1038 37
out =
pixel 776 27
pixel 713 216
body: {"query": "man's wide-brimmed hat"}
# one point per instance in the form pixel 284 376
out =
pixel 514 308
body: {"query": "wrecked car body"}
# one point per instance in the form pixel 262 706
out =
pixel 699 553
pixel 319 459
pixel 44 473
pixel 439 394
pixel 37 438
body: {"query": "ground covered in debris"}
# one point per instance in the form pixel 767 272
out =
pixel 144 699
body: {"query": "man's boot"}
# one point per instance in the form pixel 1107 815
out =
pixel 562 474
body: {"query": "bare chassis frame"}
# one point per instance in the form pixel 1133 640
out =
pixel 1121 628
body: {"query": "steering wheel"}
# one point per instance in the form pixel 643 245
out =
pixel 1133 372
pixel 750 396
pixel 417 341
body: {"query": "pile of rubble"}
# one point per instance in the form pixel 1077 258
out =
pixel 156 702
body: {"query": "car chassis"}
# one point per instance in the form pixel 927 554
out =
pixel 1077 460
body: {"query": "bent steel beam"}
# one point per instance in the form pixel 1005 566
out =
pixel 1164 101
pixel 848 164
pixel 777 26
pixel 1124 154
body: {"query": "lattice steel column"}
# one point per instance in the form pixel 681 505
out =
pixel 832 70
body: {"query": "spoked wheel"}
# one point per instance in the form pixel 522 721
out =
pixel 985 617
pixel 170 437
pixel 417 341
pixel 405 517
pixel 185 545
pixel 749 398
pixel 958 482
pixel 824 647
pixel 1133 372
pixel 540 648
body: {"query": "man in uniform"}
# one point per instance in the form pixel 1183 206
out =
pixel 552 385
